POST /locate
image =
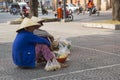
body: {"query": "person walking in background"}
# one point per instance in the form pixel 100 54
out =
pixel 59 11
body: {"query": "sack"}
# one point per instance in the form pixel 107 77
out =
pixel 52 65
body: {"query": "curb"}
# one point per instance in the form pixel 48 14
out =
pixel 51 20
pixel 46 20
pixel 102 25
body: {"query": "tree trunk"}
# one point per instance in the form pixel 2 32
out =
pixel 116 10
pixel 34 7
pixel 98 4
pixel 71 1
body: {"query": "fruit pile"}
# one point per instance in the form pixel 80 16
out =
pixel 61 48
pixel 61 57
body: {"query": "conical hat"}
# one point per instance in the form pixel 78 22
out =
pixel 27 23
pixel 36 19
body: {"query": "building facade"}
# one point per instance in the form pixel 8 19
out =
pixel 102 5
pixel 4 3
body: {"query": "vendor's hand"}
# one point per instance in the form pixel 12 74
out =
pixel 51 48
pixel 51 38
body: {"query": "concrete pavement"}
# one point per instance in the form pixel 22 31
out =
pixel 95 54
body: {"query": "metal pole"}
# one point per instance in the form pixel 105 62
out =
pixel 57 4
pixel 64 8
pixel 41 6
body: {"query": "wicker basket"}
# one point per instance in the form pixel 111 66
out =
pixel 61 60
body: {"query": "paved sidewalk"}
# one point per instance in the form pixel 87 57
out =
pixel 95 54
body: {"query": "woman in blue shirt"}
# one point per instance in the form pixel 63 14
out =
pixel 23 49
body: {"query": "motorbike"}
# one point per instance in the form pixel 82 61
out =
pixel 69 16
pixel 25 13
pixel 93 11
pixel 80 10
pixel 44 11
pixel 14 9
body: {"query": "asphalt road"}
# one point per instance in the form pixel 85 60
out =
pixel 93 17
pixel 4 17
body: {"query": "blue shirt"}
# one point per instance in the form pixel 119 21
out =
pixel 23 49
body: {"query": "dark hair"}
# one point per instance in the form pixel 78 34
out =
pixel 59 2
pixel 23 7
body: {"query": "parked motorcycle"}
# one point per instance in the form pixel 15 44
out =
pixel 69 16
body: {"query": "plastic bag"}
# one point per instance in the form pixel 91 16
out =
pixel 56 64
pixel 52 65
pixel 48 66
pixel 64 46
pixel 63 49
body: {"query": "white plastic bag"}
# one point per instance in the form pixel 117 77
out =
pixel 48 66
pixel 56 64
pixel 52 65
pixel 64 46
pixel 63 49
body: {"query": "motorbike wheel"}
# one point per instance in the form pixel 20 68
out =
pixel 90 12
pixel 46 12
pixel 97 13
pixel 70 17
pixel 55 15
pixel 83 12
pixel 70 11
pixel 14 13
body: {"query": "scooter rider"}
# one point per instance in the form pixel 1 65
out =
pixel 90 4
pixel 25 12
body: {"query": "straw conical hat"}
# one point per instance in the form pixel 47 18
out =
pixel 36 19
pixel 27 23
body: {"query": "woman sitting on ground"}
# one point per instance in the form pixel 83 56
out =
pixel 46 35
pixel 23 49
